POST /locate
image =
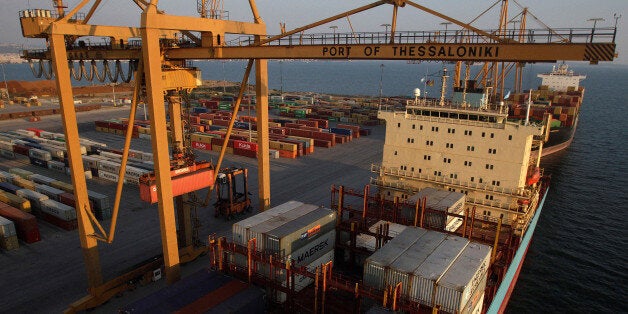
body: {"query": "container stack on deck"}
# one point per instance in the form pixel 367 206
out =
pixel 302 233
pixel 562 106
pixel 433 269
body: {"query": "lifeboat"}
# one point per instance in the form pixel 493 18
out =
pixel 534 177
pixel 184 180
pixel 523 201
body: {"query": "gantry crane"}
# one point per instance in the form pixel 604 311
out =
pixel 167 41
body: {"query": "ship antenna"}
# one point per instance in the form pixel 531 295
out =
pixel 443 87
pixel 528 109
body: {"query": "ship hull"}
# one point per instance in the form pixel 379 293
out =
pixel 500 300
pixel 559 139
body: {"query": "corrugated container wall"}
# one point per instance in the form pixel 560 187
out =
pixel 430 271
pixel 375 265
pixel 259 231
pixel 240 230
pixel 297 233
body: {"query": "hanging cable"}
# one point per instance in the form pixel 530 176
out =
pixel 36 73
pixel 47 72
pixel 100 78
pixel 77 75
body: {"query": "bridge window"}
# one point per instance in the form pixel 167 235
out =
pixel 483 134
pixel 414 126
pixel 510 137
pixel 395 153
pixel 398 124
pixel 492 135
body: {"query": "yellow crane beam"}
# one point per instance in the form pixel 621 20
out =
pixel 520 52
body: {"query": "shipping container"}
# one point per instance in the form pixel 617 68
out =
pixel 300 232
pixel 261 230
pixel 63 186
pixel 300 282
pixel 58 210
pixel 113 177
pixel 52 193
pixel 241 229
pixel 35 198
pixel 56 166
pixel 467 274
pixel 9 243
pixel 25 223
pixel 7 228
pixel 439 200
pixel 40 179
pixel 376 265
pixel 402 269
pixel 100 201
pixel 9 187
pixel 24 183
pixel 61 223
pixel 427 274
pixel 15 201
pixel 39 154
pixel 20 172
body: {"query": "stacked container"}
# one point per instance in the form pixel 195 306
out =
pixel 59 214
pixel 436 269
pixel 293 231
pixel 35 198
pixel 443 201
pixel 25 224
pixel 8 236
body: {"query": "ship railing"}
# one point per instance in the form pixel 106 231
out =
pixel 401 186
pixel 557 35
pixel 518 192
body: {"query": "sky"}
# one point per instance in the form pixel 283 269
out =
pixel 296 13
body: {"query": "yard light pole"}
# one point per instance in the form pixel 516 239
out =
pixel 386 32
pixel 334 27
pixel 594 20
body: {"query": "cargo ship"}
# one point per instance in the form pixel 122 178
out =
pixel 470 175
pixel 559 96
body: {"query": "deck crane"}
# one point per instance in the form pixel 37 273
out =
pixel 167 41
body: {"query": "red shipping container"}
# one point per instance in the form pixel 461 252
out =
pixel 199 145
pixel 206 116
pixel 35 130
pixel 322 143
pixel 66 225
pixel 244 152
pixel 293 125
pixel 287 154
pixel 244 145
pixel 20 149
pixel 273 130
pixel 25 223
pixel 184 180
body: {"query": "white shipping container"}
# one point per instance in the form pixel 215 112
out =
pixel 34 197
pixel 134 173
pixel 130 181
pixel 100 201
pixel 375 265
pixel 49 191
pixel 56 166
pixel 6 145
pixel 240 230
pixel 59 210
pixel 108 176
pixel 259 232
pixel 147 156
pixel 40 179
pixel 314 249
pixel 91 162
pixel 55 151
pixel 146 137
pixel 300 231
pixel 46 134
pixel 20 172
pixel 430 271
pixel 5 177
pixel 25 132
pixel 7 228
pixel 301 282
pixel 109 166
pixel 465 275
pixel 404 266
pixel 112 156
pixel 39 154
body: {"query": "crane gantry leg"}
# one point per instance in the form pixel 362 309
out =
pixel 89 244
pixel 152 58
pixel 261 110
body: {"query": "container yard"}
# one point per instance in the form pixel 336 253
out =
pixel 56 249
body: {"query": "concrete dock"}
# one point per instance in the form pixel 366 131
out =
pixel 47 276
